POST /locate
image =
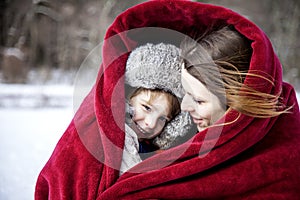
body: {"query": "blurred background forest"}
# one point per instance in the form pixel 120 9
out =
pixel 43 39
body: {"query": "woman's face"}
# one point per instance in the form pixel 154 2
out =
pixel 203 106
pixel 149 117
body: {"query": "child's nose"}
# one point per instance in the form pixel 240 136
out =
pixel 150 122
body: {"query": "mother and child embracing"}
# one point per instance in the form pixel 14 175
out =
pixel 187 105
pixel 178 89
pixel 169 87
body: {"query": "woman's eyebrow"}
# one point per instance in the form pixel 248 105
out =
pixel 195 97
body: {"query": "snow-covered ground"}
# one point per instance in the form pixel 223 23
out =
pixel 32 119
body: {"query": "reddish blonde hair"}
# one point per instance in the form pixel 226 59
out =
pixel 220 60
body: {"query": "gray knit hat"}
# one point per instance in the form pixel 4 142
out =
pixel 158 66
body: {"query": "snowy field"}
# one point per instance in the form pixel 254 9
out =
pixel 32 119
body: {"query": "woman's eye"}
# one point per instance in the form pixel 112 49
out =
pixel 194 99
pixel 198 101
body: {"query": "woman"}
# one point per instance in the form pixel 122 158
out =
pixel 239 156
pixel 213 77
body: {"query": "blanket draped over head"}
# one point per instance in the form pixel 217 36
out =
pixel 249 158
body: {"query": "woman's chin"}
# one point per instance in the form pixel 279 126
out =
pixel 201 127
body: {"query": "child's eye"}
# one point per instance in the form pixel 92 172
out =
pixel 163 119
pixel 146 107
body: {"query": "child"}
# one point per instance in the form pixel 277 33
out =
pixel 150 110
pixel 154 106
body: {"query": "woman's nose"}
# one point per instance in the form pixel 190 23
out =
pixel 187 104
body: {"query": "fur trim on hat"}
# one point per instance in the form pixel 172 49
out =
pixel 158 66
pixel 155 66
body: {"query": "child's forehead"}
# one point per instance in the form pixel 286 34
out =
pixel 152 96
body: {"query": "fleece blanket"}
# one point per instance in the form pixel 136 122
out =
pixel 248 158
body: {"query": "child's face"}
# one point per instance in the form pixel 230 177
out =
pixel 149 117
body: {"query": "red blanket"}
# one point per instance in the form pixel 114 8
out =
pixel 250 158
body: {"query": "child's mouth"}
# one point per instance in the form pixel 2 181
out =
pixel 141 132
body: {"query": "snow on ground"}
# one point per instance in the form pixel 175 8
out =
pixel 35 96
pixel 32 119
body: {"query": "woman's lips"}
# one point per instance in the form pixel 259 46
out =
pixel 197 120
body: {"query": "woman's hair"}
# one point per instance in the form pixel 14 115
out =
pixel 173 103
pixel 220 60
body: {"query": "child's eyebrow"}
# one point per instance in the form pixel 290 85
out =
pixel 155 106
pixel 144 101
